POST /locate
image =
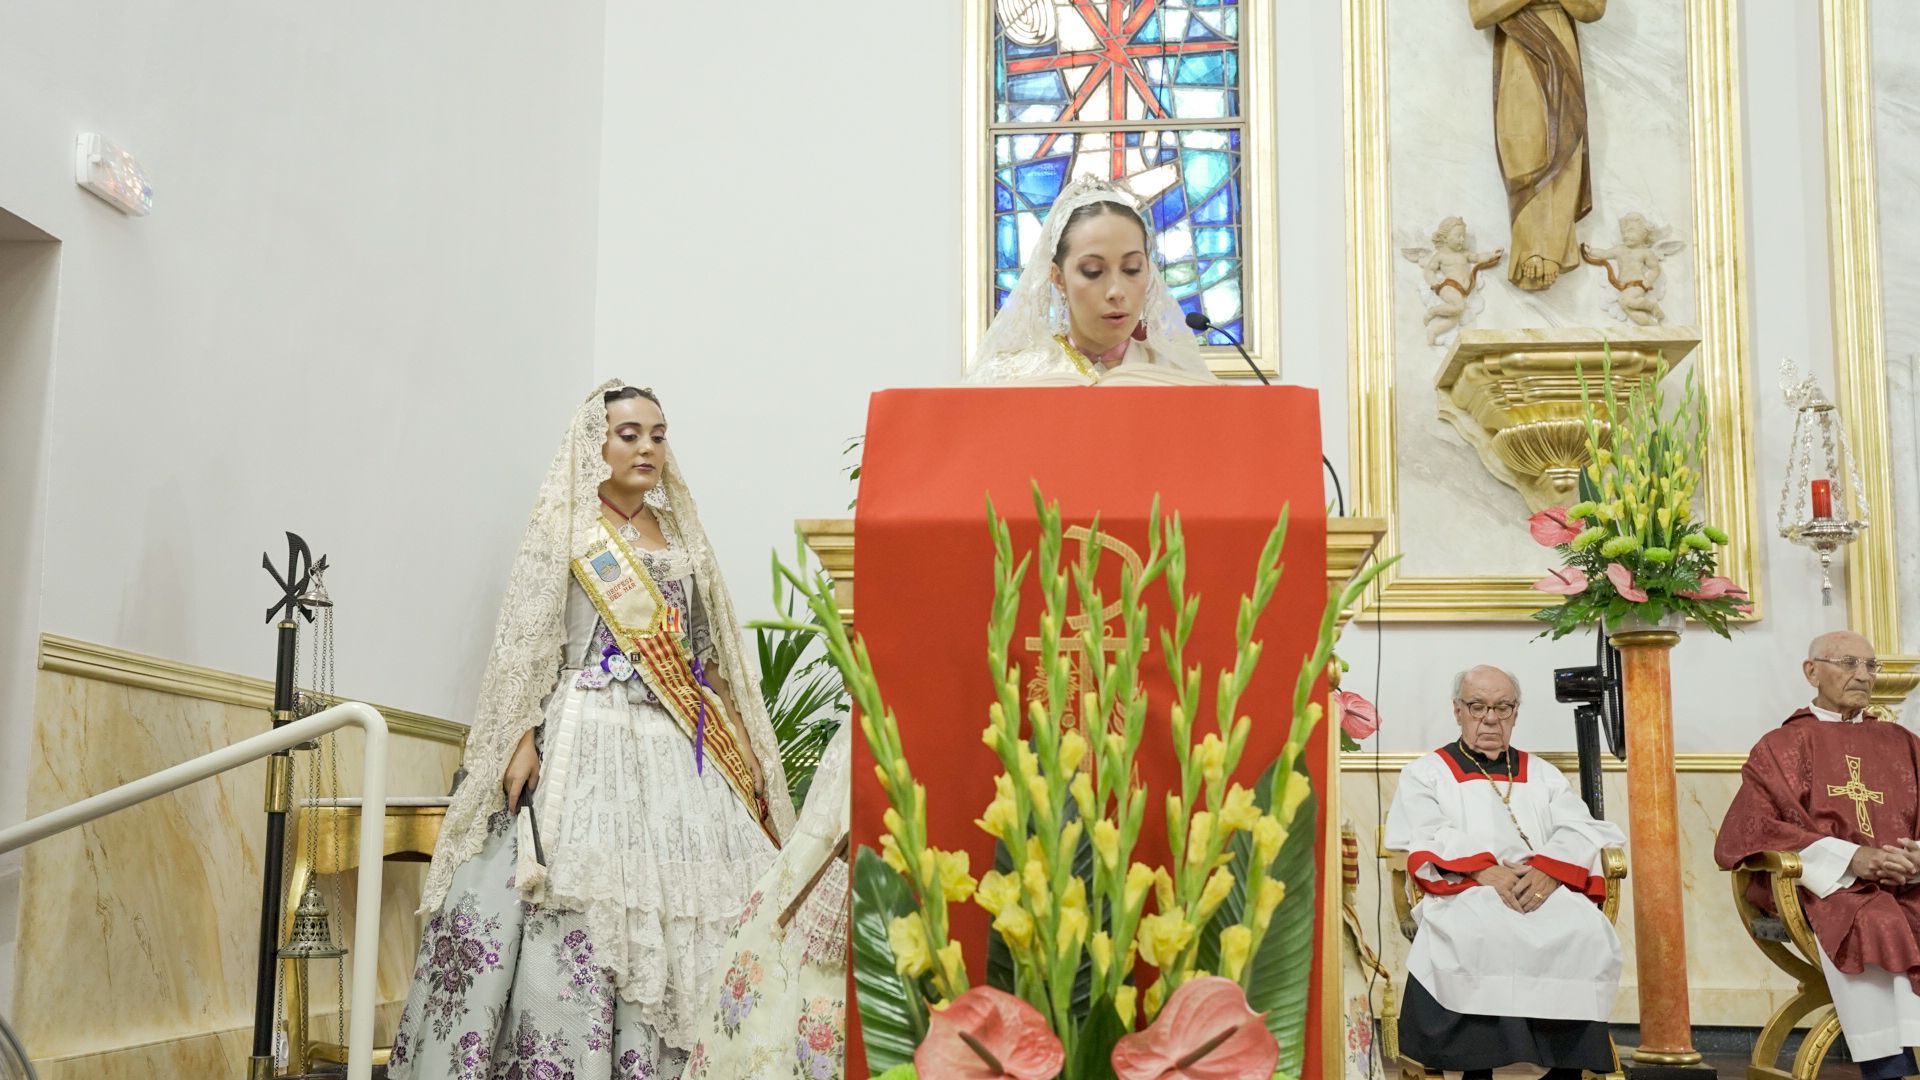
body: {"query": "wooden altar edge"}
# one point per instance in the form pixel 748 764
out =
pixel 1362 761
pixel 122 667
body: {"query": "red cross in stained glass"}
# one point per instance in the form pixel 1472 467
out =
pixel 1113 63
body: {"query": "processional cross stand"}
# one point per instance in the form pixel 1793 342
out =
pixel 300 593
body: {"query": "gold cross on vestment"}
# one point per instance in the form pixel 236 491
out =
pixel 1858 792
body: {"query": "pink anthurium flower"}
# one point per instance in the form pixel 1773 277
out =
pixel 1566 581
pixel 1622 579
pixel 1551 527
pixel 1358 717
pixel 1712 588
pixel 988 1033
pixel 1205 1032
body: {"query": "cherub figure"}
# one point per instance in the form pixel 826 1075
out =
pixel 1637 277
pixel 1452 272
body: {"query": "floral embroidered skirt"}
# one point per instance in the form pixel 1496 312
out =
pixel 650 866
pixel 779 1011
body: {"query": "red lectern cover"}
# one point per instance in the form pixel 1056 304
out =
pixel 1227 459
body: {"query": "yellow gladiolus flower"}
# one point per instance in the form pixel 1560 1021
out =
pixel 1215 892
pixel 1016 926
pixel 1038 796
pixel 1163 937
pixel 1071 932
pixel 1074 897
pixel 1271 893
pixel 1100 948
pixel 1106 843
pixel 1029 765
pixel 1039 890
pixel 990 735
pixel 1238 813
pixel 1073 750
pixel 890 854
pixel 1001 818
pixel 891 819
pixel 1236 943
pixel 1163 888
pixel 1268 837
pixel 1082 791
pixel 908 937
pixel 953 964
pixel 1212 755
pixel 1292 800
pixel 1124 1002
pixel 997 891
pixel 1139 878
pixel 1155 994
pixel 955 881
pixel 1199 835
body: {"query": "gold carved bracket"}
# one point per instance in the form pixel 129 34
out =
pixel 1515 397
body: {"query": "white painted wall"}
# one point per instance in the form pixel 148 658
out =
pixel 811 259
pixel 360 307
pixel 28 265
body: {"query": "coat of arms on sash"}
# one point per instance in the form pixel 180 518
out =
pixel 606 567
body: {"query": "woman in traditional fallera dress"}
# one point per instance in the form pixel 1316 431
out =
pixel 780 1008
pixel 579 939
pixel 1090 306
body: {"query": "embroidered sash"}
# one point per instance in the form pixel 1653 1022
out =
pixel 648 628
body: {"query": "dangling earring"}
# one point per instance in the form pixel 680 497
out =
pixel 1140 330
pixel 1057 320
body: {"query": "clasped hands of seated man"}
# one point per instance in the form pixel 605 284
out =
pixel 1890 864
pixel 1522 887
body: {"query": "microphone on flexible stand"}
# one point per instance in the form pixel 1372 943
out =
pixel 1199 323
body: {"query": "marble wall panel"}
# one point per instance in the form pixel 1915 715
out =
pixel 1896 134
pixel 1730 982
pixel 1456 518
pixel 139 931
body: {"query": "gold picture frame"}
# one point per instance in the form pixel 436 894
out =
pixel 1859 348
pixel 1260 253
pixel 1712 43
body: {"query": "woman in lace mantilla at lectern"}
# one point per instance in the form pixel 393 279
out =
pixel 581 938
pixel 1090 306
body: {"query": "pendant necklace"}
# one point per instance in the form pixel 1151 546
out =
pixel 1506 797
pixel 626 530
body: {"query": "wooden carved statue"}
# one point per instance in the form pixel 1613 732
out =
pixel 1540 129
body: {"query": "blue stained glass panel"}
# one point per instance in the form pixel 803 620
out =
pixel 1197 238
pixel 1115 60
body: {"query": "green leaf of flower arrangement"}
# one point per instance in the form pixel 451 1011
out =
pixel 892 1019
pixel 1093 1057
pixel 1278 984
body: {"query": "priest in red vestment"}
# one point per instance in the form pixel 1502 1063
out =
pixel 1841 788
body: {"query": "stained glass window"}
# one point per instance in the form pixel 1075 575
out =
pixel 1146 92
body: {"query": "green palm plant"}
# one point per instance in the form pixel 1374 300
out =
pixel 805 695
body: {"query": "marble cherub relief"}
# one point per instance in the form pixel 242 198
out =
pixel 1634 271
pixel 1451 271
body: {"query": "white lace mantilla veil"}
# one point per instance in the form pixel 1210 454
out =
pixel 529 641
pixel 1019 345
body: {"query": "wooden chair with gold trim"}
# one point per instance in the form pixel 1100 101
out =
pixel 1406 894
pixel 1787 939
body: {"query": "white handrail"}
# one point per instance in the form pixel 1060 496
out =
pixel 373 792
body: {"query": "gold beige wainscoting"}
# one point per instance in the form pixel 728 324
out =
pixel 138 933
pixel 1731 984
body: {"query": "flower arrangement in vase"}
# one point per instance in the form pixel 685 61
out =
pixel 1077 920
pixel 1632 545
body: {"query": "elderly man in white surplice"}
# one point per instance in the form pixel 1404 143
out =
pixel 1513 961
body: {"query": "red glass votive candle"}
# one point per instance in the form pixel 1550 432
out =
pixel 1823 498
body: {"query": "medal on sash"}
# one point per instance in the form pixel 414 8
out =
pixel 646 630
